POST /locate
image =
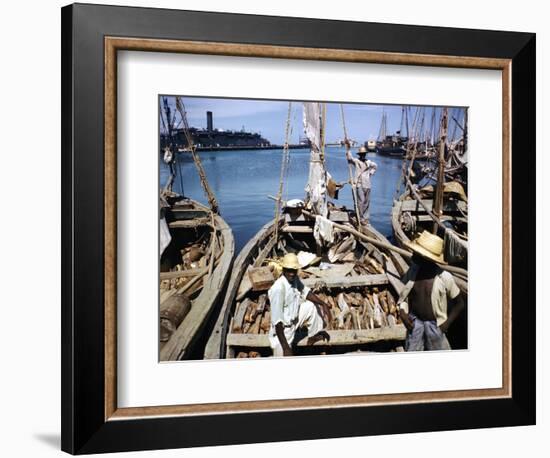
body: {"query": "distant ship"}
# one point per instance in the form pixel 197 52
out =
pixel 211 139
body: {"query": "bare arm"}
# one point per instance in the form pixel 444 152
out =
pixel 279 330
pixel 322 307
pixel 456 307
pixel 349 157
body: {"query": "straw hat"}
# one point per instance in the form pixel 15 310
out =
pixel 362 150
pixel 428 246
pixel 290 261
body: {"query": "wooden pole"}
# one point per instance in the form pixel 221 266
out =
pixel 426 209
pixel 353 184
pixel 284 163
pixel 438 194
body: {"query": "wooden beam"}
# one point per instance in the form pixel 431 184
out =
pixel 443 218
pixel 413 206
pixel 337 338
pixel 181 273
pixel 348 282
pixel 298 229
pixel 185 223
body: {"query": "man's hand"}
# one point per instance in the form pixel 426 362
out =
pixel 444 327
pixel 279 330
pixel 321 335
pixel 405 317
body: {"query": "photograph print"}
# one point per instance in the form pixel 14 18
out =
pixel 309 228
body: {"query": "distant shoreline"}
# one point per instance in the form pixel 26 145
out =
pixel 238 148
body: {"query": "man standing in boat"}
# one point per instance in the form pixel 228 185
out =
pixel 423 301
pixel 364 169
pixel 293 306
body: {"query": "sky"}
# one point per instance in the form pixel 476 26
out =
pixel 269 117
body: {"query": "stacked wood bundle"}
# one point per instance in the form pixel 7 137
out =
pixel 197 260
pixel 184 282
pixel 361 308
pixel 252 317
pixel 358 308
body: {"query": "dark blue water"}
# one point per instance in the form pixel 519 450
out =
pixel 242 180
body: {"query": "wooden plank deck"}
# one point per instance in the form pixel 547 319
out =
pixel 348 282
pixel 300 229
pixel 337 337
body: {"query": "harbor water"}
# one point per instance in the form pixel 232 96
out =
pixel 243 180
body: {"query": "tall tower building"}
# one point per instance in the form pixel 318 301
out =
pixel 209 124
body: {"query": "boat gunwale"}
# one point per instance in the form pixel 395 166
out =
pixel 215 347
pixel 212 289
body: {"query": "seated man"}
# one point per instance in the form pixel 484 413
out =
pixel 293 306
pixel 423 301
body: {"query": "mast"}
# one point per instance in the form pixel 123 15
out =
pixel 316 188
pixel 438 194
pixel 465 130
pixel 407 120
pixel 404 125
pixel 432 128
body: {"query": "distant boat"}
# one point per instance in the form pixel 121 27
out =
pixel 393 145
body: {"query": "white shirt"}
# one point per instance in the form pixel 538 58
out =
pixel 285 299
pixel 363 170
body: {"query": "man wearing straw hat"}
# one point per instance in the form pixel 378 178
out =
pixel 293 306
pixel 364 169
pixel 423 301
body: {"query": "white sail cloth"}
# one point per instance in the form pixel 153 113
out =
pixel 165 237
pixel 316 188
pixel 312 124
pixel 323 231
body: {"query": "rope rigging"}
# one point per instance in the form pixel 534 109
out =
pixel 284 170
pixel 352 182
pixel 202 175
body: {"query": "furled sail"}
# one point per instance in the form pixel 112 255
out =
pixel 316 188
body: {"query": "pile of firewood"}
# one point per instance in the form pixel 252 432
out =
pixel 193 260
pixel 252 317
pixel 357 308
pixel 361 308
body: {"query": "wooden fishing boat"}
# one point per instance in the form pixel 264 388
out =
pixel 441 208
pixel 196 253
pixel 194 268
pixel 413 214
pixel 353 271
